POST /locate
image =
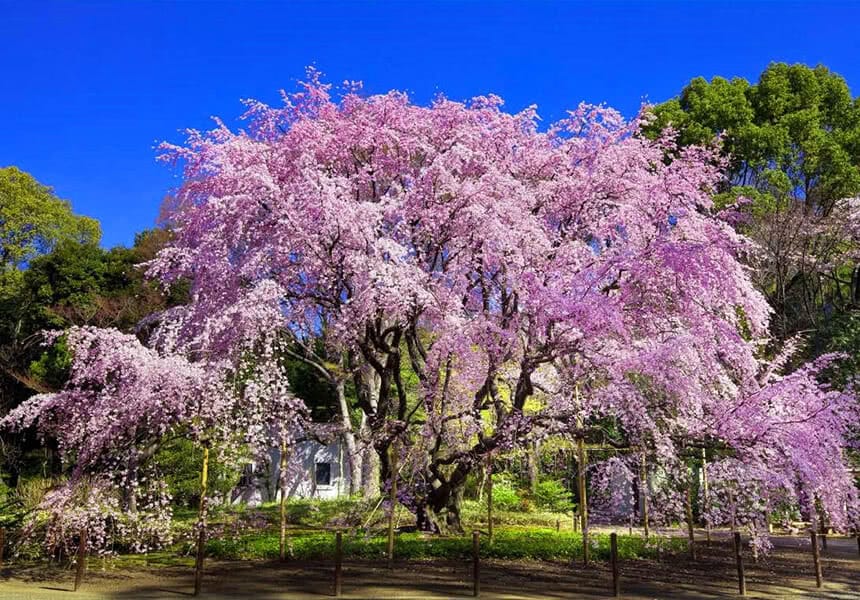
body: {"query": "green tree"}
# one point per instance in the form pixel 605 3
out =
pixel 33 220
pixel 76 283
pixel 792 142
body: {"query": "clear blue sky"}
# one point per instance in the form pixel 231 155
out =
pixel 88 89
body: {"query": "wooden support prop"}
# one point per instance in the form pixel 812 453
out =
pixel 338 564
pixel 558 524
pixel 816 559
pixel 583 501
pixel 82 559
pixel 3 544
pixel 201 523
pixel 476 563
pixel 392 463
pixel 858 543
pixel 742 581
pixel 282 479
pixel 613 554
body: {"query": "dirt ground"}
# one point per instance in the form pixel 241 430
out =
pixel 786 573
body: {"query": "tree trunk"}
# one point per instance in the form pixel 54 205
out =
pixel 354 460
pixel 440 510
pixel 533 465
pixel 688 506
pixel 370 463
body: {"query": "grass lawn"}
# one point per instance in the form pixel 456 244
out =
pixel 244 533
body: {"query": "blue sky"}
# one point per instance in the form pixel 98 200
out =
pixel 89 88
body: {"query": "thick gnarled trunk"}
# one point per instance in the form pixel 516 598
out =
pixel 440 510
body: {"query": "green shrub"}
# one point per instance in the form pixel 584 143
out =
pixel 505 496
pixel 181 460
pixel 552 495
pixel 31 491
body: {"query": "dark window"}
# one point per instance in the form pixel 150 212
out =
pixel 323 474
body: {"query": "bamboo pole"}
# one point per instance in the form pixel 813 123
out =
pixel 201 523
pixel 282 477
pixel 490 498
pixel 706 496
pixel 643 478
pixel 734 522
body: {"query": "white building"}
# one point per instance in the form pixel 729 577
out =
pixel 315 471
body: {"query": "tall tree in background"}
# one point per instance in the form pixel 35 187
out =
pixel 793 145
pixel 33 222
pixel 76 282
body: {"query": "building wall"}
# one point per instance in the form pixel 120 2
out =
pixel 309 464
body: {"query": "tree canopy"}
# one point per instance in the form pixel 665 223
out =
pixel 792 142
pixel 479 283
pixel 33 220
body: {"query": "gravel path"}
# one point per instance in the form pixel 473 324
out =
pixel 786 573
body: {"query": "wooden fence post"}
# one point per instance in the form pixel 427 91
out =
pixel 816 558
pixel 613 554
pixel 476 563
pixel 82 558
pixel 742 582
pixel 338 564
